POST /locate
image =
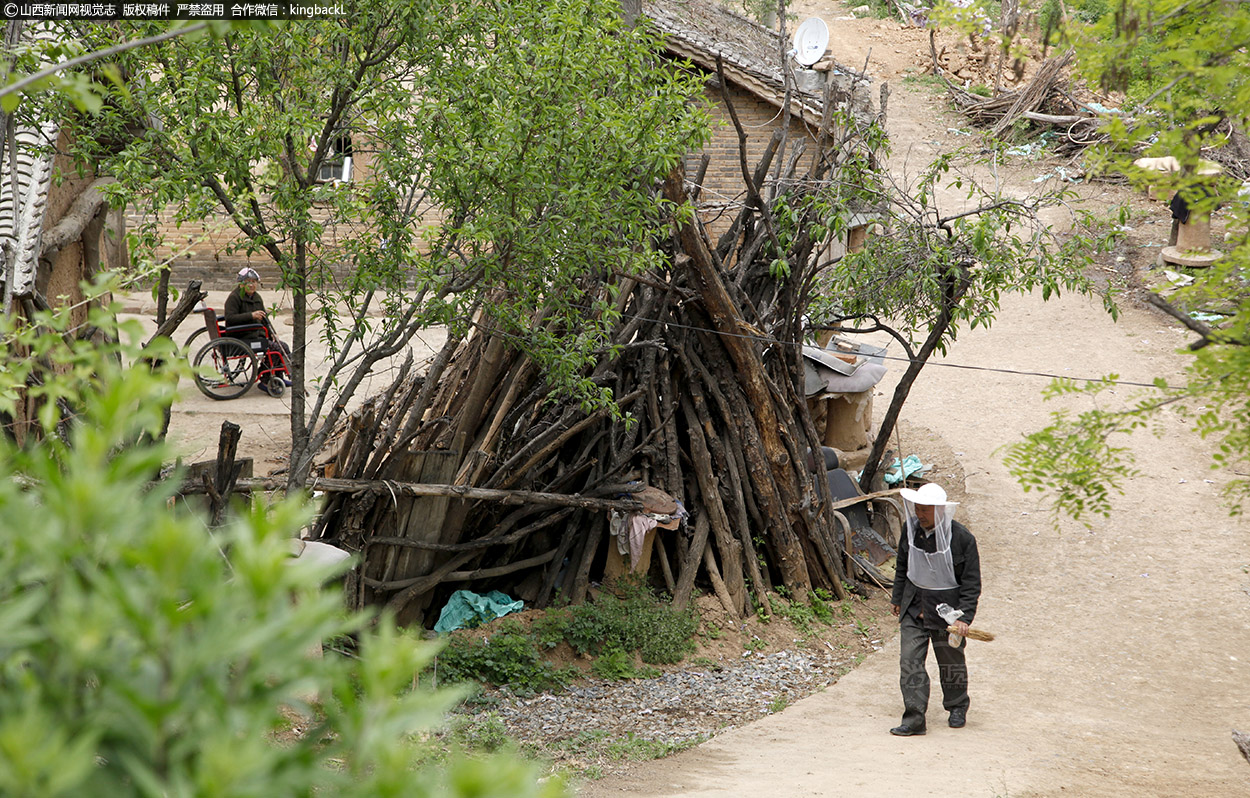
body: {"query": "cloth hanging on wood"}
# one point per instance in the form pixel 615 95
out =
pixel 659 509
pixel 630 530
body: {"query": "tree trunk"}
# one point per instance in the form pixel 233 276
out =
pixel 301 432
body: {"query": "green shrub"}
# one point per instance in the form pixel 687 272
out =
pixel 508 657
pixel 483 732
pixel 805 616
pixel 549 629
pixel 144 656
pixel 617 665
pixel 881 9
pixel 612 629
pixel 639 622
pixel 1087 11
pixel 820 603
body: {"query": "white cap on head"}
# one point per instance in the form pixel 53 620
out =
pixel 248 273
pixel 929 493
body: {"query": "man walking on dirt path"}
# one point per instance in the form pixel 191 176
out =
pixel 938 563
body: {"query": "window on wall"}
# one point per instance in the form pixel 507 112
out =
pixel 337 165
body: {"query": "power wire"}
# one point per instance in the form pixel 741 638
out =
pixel 965 366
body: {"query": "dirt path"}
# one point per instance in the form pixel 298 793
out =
pixel 1123 652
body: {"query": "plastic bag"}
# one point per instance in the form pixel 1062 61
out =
pixel 950 615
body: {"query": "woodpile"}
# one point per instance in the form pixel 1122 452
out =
pixel 1044 102
pixel 1048 103
pixel 476 475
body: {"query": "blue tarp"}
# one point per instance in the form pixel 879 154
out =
pixel 911 465
pixel 466 609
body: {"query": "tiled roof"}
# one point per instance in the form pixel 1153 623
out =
pixel 21 227
pixel 34 178
pixel 752 54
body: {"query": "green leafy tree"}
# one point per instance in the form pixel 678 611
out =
pixel 935 272
pixel 145 656
pixel 38 62
pixel 1183 66
pixel 512 151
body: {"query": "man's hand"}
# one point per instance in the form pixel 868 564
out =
pixel 894 609
pixel 961 628
pixel 258 315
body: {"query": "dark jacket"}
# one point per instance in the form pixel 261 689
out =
pixel 967 562
pixel 239 308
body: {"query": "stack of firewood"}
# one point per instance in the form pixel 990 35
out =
pixel 476 475
pixel 1045 103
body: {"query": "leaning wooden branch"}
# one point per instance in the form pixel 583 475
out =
pixel 1209 336
pixel 388 487
pixel 190 298
pixel 752 190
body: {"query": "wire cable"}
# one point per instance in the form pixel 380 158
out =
pixel 775 342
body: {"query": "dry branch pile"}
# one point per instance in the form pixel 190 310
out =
pixel 1045 102
pixel 1048 103
pixel 708 370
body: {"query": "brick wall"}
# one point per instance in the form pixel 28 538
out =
pixel 724 190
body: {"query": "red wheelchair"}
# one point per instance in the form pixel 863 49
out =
pixel 227 366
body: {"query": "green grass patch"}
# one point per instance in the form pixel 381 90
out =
pixel 925 80
pixel 637 622
pixel 601 745
pixel 617 666
pixel 483 732
pixel 805 617
pixel 617 631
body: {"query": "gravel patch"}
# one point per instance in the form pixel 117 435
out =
pixel 676 709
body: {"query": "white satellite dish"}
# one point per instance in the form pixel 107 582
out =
pixel 810 41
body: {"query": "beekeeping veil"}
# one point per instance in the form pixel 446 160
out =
pixel 931 570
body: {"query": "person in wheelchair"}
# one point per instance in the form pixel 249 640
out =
pixel 245 308
pixel 247 319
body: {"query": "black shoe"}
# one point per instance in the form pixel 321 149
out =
pixel 958 718
pixel 907 731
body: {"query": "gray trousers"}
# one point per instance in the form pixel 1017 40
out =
pixel 914 641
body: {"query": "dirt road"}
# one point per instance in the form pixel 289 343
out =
pixel 196 423
pixel 1123 651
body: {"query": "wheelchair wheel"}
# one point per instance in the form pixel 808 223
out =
pixel 225 368
pixel 275 387
pixel 193 341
